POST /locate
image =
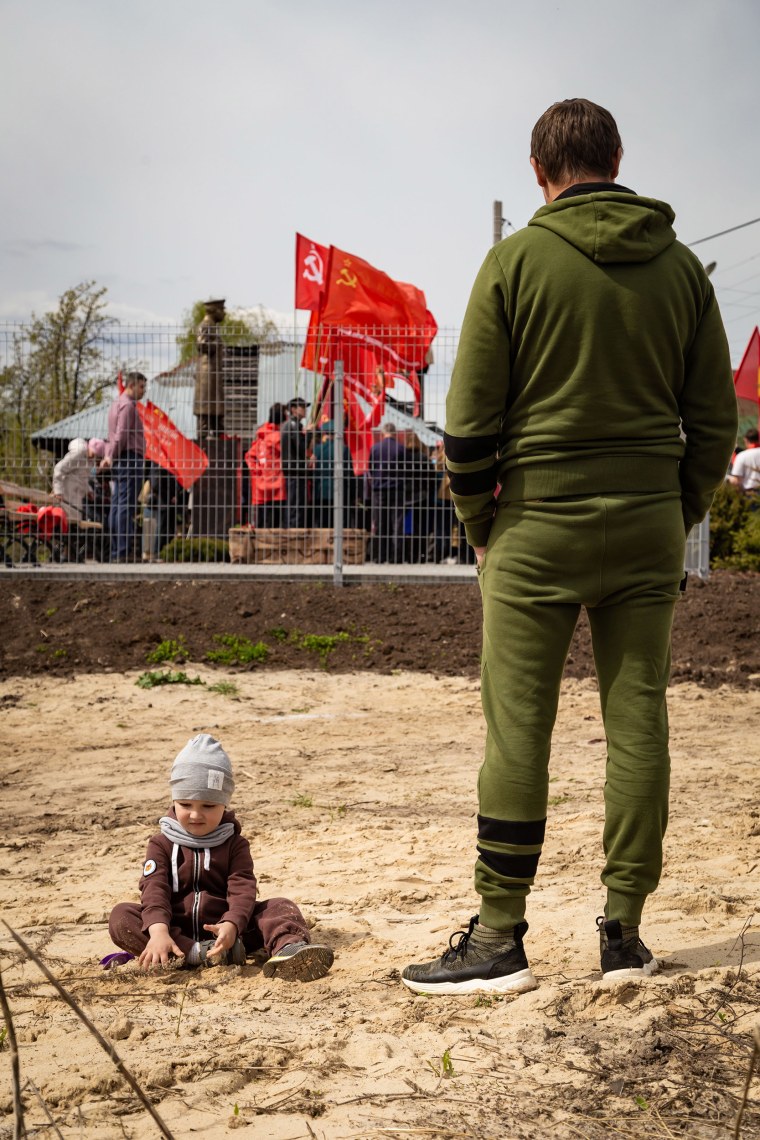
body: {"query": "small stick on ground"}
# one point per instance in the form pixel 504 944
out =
pixel 107 1046
pixel 19 1128
pixel 752 1063
pixel 30 1084
pixel 181 1007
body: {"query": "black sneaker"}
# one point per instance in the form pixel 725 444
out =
pixel 299 962
pixel 623 958
pixel 466 968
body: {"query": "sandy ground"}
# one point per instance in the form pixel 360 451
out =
pixel 357 793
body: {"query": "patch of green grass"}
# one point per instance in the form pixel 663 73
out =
pixel 52 610
pixel 445 1067
pixel 236 650
pixel 169 650
pixel 166 677
pixel 323 643
pixel 225 688
pixel 278 633
pixel 59 653
pixel 302 800
pixel 555 801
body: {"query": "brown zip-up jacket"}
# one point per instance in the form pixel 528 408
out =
pixel 225 892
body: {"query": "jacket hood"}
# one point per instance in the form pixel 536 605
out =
pixel 610 226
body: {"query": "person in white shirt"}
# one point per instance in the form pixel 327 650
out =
pixel 745 471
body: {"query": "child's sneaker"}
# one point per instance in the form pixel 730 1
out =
pixel 299 961
pixel 235 956
pixel 623 953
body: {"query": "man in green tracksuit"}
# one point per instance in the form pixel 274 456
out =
pixel 590 418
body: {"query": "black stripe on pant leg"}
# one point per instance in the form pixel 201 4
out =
pixel 516 831
pixel 510 866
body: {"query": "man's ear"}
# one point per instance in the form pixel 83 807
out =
pixel 538 170
pixel 616 160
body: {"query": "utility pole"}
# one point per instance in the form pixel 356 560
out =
pixel 498 222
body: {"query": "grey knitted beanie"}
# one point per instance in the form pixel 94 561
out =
pixel 202 771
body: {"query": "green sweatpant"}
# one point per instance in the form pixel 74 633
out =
pixel 620 556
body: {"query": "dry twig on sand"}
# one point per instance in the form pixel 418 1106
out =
pixel 19 1128
pixel 107 1046
pixel 750 1072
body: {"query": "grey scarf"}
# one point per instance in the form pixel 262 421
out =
pixel 175 832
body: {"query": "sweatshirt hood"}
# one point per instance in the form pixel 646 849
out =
pixel 610 226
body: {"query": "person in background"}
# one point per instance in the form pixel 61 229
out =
pixel 444 518
pixel 71 476
pixel 125 457
pixel 324 478
pixel 294 454
pixel 268 492
pixel 593 386
pixel 163 500
pixel 386 474
pixel 745 470
pixel 419 490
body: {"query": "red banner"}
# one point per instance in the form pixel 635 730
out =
pixel 747 375
pixel 166 445
pixel 311 265
pixel 369 363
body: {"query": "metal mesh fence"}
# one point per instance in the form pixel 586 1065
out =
pixel 214 462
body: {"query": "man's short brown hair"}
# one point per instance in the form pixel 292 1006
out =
pixel 575 138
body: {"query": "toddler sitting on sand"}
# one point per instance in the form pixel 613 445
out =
pixel 198 876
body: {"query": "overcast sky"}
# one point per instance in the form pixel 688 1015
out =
pixel 170 149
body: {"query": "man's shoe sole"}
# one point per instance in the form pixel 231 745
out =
pixel 521 982
pixel 306 966
pixel 632 972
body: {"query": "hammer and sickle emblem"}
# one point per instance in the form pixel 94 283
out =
pixel 346 277
pixel 314 269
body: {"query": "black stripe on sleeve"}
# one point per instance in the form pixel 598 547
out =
pixel 525 832
pixel 473 482
pixel 469 449
pixel 511 866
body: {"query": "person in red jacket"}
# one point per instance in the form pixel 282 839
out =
pixel 268 491
pixel 197 879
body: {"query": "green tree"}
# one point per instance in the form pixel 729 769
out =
pixel 256 328
pixel 57 368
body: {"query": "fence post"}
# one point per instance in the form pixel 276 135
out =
pixel 338 490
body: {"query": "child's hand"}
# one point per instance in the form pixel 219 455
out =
pixel 160 946
pixel 226 933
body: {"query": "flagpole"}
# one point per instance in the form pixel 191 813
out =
pixel 338 474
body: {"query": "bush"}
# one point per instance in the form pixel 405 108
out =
pixel 196 550
pixel 734 531
pixel 746 554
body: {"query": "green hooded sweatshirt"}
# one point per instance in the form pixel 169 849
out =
pixel 592 360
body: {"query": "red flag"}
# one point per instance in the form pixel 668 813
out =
pixel 390 312
pixel 747 375
pixel 311 263
pixel 166 445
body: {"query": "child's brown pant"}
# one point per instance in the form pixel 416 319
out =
pixel 273 924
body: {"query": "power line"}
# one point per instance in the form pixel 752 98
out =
pixel 722 232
